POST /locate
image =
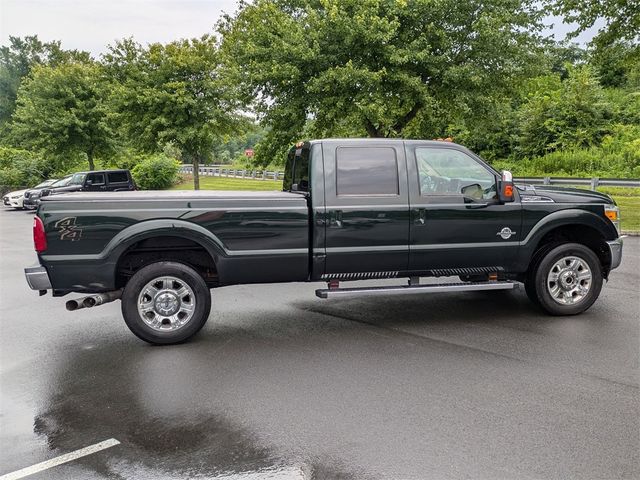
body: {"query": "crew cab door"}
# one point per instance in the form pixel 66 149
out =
pixel 366 207
pixel 456 218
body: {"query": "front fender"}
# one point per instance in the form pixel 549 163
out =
pixel 564 218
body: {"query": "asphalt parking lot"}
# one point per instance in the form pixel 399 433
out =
pixel 280 384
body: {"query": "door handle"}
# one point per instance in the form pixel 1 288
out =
pixel 473 206
pixel 421 217
pixel 335 219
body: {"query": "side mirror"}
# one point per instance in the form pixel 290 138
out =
pixel 506 188
pixel 88 182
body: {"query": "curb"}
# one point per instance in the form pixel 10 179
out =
pixel 631 233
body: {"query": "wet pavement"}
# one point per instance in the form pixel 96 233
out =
pixel 280 384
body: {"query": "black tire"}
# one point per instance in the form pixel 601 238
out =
pixel 135 286
pixel 536 284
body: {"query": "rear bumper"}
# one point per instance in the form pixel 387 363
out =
pixel 615 249
pixel 37 278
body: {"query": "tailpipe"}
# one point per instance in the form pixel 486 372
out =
pixel 100 299
pixel 75 304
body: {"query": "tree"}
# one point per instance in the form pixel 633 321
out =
pixel 373 67
pixel 61 110
pixel 622 18
pixel 19 57
pixel 172 93
pixel 569 114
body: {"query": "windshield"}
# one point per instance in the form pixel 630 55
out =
pixel 46 183
pixel 77 179
pixel 63 182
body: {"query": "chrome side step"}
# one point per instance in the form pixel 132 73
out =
pixel 409 289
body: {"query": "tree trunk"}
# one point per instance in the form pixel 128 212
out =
pixel 90 158
pixel 196 173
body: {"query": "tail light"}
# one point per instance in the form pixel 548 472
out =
pixel 39 237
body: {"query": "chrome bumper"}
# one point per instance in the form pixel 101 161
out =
pixel 615 248
pixel 37 278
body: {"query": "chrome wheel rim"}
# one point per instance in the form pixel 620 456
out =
pixel 166 303
pixel 569 280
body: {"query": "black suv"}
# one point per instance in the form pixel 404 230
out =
pixel 96 181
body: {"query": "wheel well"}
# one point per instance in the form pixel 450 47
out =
pixel 587 236
pixel 176 249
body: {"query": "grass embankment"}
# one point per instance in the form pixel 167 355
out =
pixel 627 198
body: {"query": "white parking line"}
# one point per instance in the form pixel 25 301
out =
pixel 67 457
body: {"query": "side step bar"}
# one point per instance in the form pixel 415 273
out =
pixel 409 289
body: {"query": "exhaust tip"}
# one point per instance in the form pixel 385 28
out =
pixel 89 302
pixel 72 305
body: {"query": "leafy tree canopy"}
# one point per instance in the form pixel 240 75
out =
pixel 622 18
pixel 61 111
pixel 374 67
pixel 171 94
pixel 19 56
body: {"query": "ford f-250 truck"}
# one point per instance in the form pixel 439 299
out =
pixel 351 209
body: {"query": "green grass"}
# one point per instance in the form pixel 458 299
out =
pixel 223 183
pixel 627 198
pixel 629 213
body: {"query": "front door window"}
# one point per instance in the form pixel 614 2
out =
pixel 445 171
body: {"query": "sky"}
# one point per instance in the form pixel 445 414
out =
pixel 93 24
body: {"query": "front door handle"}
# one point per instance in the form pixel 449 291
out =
pixel 421 217
pixel 473 206
pixel 335 219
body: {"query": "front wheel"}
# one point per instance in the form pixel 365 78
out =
pixel 166 303
pixel 567 280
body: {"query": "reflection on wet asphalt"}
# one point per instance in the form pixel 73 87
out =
pixel 280 384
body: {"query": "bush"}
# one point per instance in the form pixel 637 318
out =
pixel 22 168
pixel 617 156
pixel 156 172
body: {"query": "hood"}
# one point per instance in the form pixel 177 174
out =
pixel 68 188
pixel 564 194
pixel 17 193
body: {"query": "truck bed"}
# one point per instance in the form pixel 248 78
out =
pixel 266 233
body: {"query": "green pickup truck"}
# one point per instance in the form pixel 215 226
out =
pixel 350 209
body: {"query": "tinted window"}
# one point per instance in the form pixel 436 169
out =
pixel 117 177
pixel 366 171
pixel 446 171
pixel 96 178
pixel 297 170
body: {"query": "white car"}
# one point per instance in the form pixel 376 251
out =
pixel 14 199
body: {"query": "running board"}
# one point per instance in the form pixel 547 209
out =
pixel 409 289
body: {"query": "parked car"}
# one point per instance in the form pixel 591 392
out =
pixel 94 181
pixel 31 195
pixel 351 209
pixel 14 199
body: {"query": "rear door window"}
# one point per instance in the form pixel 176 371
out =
pixel 366 171
pixel 117 177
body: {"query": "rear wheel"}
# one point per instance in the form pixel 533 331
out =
pixel 565 280
pixel 166 303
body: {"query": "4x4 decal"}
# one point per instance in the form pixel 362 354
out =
pixel 68 230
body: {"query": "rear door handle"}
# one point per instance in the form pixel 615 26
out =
pixel 335 219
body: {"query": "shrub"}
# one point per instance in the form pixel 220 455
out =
pixel 156 172
pixel 22 168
